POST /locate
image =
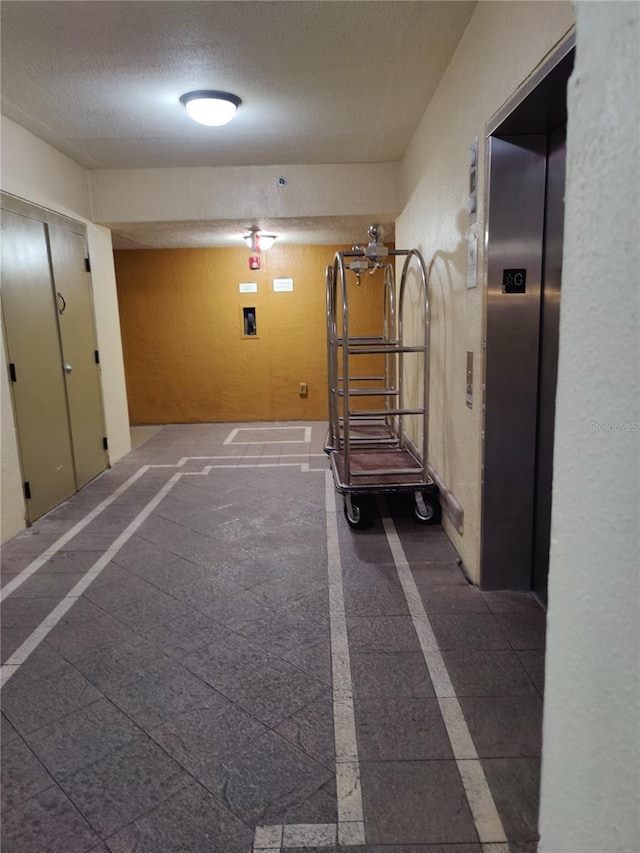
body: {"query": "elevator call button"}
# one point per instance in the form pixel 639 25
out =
pixel 514 281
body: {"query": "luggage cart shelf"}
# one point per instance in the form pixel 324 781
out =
pixel 378 471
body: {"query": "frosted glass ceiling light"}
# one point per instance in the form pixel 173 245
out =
pixel 259 242
pixel 209 107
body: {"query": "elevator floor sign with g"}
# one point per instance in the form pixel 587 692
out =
pixel 514 281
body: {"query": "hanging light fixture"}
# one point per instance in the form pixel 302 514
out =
pixel 259 242
pixel 209 107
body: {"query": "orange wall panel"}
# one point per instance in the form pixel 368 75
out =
pixel 186 357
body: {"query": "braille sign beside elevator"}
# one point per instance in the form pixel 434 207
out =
pixel 514 281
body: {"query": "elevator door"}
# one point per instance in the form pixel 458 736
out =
pixel 33 346
pixel 548 355
pixel 524 262
pixel 516 228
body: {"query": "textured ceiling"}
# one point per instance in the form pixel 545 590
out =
pixel 227 232
pixel 321 82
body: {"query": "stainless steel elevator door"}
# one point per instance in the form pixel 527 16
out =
pixel 524 236
pixel 548 355
pixel 516 226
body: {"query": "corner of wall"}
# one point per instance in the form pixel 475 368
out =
pixel 502 45
pixel 35 171
pixel 105 299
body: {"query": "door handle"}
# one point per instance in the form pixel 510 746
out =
pixel 62 304
pixel 68 368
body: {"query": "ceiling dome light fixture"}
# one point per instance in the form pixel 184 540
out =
pixel 259 242
pixel 209 107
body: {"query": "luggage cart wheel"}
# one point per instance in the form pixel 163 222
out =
pixel 427 509
pixel 354 514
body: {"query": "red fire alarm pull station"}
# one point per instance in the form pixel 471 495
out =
pixel 254 262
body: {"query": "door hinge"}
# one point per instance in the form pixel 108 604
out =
pixel 96 355
pixel 87 265
pixel 27 490
pixel 12 372
pixel 105 443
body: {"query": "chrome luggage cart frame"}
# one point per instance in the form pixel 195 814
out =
pixel 369 448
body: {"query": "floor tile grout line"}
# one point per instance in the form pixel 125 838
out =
pixel 18 657
pixel 142 734
pixel 479 797
pixel 39 561
pixel 158 805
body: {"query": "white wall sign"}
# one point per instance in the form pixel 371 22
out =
pixel 280 285
pixel 248 287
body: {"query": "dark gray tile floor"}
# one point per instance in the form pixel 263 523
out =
pixel 186 695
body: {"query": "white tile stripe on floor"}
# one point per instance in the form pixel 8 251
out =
pixel 264 456
pixel 73 531
pixel 350 808
pixel 13 663
pixel 303 466
pixel 35 638
pixel 272 839
pixel 231 438
pixel 34 565
pixel 39 561
pixel 349 830
pixel 483 808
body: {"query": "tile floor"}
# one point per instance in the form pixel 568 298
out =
pixel 199 656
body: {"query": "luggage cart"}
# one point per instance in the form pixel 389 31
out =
pixel 367 441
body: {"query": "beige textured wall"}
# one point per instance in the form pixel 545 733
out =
pixel 591 766
pixel 36 172
pixel 244 192
pixel 501 47
pixel 103 280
